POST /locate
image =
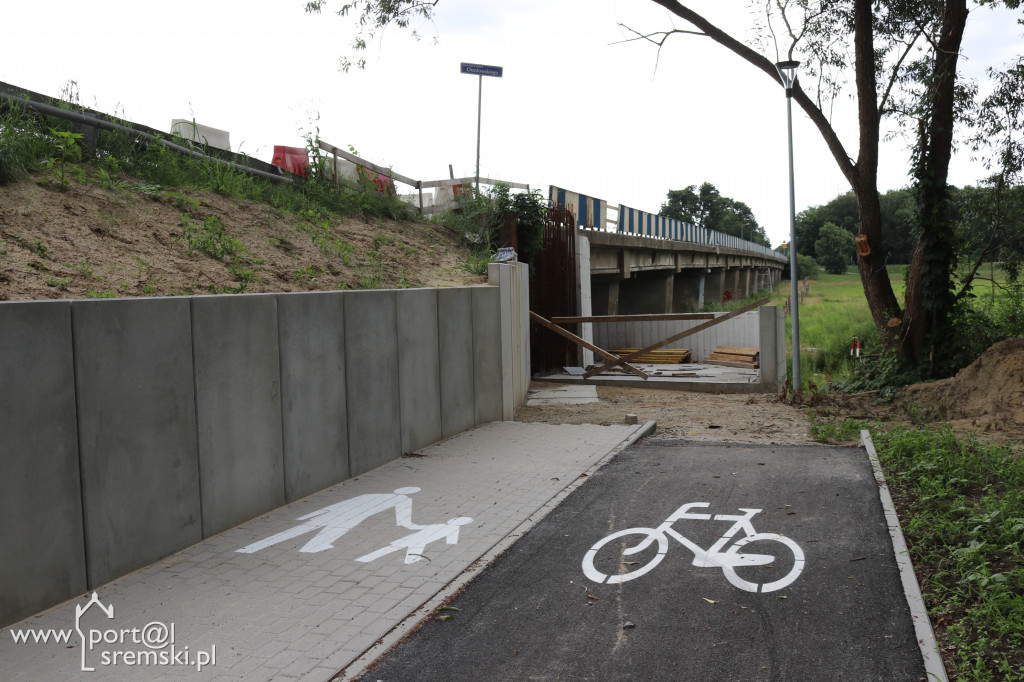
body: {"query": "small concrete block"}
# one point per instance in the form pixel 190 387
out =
pixel 631 419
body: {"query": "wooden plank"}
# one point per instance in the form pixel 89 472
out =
pixel 634 318
pixel 732 357
pixel 331 149
pixel 681 335
pixel 737 350
pixel 728 363
pixel 472 180
pixel 586 344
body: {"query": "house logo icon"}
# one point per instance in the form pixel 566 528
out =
pixel 79 612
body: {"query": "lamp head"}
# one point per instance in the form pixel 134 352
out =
pixel 787 72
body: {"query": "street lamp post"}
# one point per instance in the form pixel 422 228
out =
pixel 787 72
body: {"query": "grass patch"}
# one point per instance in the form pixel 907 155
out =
pixel 961 505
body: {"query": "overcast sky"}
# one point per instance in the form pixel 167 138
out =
pixel 573 108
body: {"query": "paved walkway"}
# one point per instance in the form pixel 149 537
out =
pixel 326 582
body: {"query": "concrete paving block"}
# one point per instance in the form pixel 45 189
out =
pixel 371 351
pixel 419 369
pixel 238 407
pixel 455 329
pixel 137 429
pixel 487 379
pixel 42 547
pixel 313 400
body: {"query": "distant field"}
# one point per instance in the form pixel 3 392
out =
pixel 834 311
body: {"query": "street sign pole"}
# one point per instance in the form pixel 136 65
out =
pixel 479 116
pixel 480 70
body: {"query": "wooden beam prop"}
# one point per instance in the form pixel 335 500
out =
pixel 635 318
pixel 681 335
pixel 586 344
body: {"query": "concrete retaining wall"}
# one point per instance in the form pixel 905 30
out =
pixel 133 428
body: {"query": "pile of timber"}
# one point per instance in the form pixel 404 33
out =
pixel 658 356
pixel 734 356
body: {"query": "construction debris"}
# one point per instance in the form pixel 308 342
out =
pixel 735 356
pixel 660 356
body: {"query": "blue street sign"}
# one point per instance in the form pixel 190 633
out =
pixel 481 70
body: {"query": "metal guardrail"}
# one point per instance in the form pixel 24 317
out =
pixel 97 121
pixel 592 214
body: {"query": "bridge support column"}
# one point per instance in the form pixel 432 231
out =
pixel 731 281
pixel 688 291
pixel 647 293
pixel 714 286
pixel 743 276
pixel 604 293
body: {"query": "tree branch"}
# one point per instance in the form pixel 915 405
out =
pixel 846 164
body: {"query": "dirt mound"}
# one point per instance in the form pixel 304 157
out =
pixel 134 239
pixel 988 394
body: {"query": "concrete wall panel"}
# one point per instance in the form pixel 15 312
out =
pixel 371 351
pixel 238 398
pixel 419 369
pixel 136 412
pixel 313 400
pixel 42 547
pixel 455 327
pixel 487 354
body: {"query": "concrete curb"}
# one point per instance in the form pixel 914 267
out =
pixel 922 624
pixel 408 624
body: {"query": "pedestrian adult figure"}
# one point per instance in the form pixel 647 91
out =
pixel 338 519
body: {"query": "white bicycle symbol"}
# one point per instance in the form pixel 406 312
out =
pixel 730 560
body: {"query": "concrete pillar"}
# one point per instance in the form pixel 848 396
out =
pixel 714 286
pixel 743 287
pixel 688 291
pixel 584 295
pixel 732 279
pixel 604 294
pixel 648 293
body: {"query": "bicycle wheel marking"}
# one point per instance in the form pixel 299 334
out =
pixel 722 554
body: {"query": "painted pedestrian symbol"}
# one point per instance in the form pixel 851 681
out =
pixel 731 560
pixel 332 522
pixel 420 539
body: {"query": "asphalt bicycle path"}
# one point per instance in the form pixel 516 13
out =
pixel 568 602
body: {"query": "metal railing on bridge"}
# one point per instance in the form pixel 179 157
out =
pixel 592 214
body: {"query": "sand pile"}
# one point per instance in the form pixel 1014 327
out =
pixel 989 392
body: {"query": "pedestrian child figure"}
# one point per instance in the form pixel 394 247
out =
pixel 338 519
pixel 419 540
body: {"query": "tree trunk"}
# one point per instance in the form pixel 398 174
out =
pixel 929 298
pixel 881 299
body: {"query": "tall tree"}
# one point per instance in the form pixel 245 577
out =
pixel 706 207
pixel 902 58
pixel 833 248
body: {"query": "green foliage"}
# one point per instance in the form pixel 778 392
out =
pixel 807 267
pixel 479 217
pixel 707 208
pixel 834 248
pixel 964 522
pixel 68 152
pixel 887 373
